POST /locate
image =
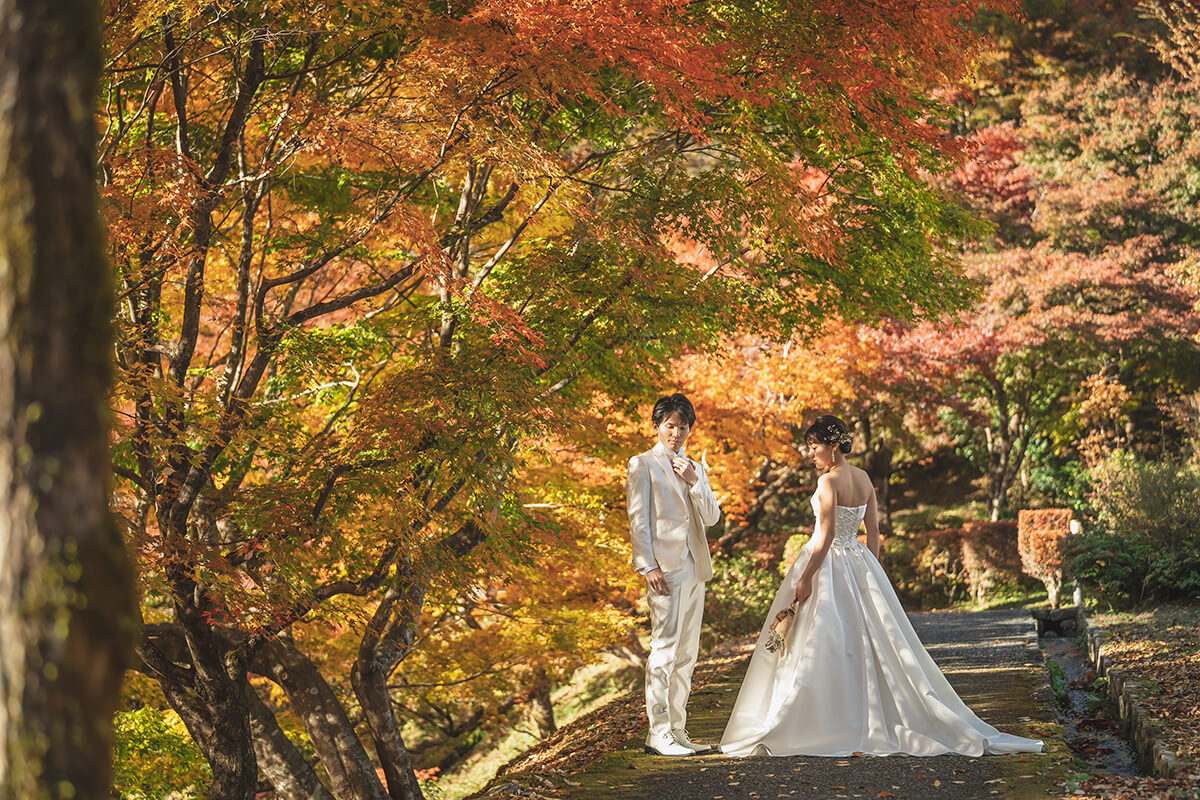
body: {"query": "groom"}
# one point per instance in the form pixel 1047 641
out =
pixel 670 505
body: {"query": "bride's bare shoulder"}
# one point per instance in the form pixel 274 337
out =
pixel 852 485
pixel 865 484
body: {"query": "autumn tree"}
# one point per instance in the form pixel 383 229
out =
pixel 369 259
pixel 65 585
pixel 1018 363
pixel 756 395
pixel 1094 217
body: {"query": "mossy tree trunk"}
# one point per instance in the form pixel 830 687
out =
pixel 66 604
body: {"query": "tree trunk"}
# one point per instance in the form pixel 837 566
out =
pixel 281 763
pixel 203 674
pixel 387 640
pixel 541 709
pixel 210 696
pixel 1054 589
pixel 66 599
pixel 735 533
pixel 879 468
pixel 225 720
pixel 370 686
pixel 629 648
pixel 351 771
pixel 1000 443
pixel 1007 455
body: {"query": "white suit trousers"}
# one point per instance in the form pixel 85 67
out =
pixel 674 643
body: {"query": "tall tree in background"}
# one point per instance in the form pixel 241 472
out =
pixel 65 586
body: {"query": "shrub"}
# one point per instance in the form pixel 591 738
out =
pixel 155 758
pixel 738 597
pixel 926 568
pixel 791 549
pixel 1173 575
pixel 1061 482
pixel 1114 566
pixel 1041 536
pixel 1128 569
pixel 1146 542
pixel 990 557
pixel 1160 501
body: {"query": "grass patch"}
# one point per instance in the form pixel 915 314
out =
pixel 1058 680
pixel 922 517
pixel 1004 597
pixel 1150 685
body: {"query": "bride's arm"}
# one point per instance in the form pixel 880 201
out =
pixel 871 520
pixel 822 537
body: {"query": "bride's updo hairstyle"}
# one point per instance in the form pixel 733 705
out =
pixel 831 431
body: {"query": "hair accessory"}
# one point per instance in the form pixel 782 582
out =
pixel 835 435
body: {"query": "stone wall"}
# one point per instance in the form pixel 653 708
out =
pixel 1154 757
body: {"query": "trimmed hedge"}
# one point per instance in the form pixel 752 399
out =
pixel 990 557
pixel 1041 540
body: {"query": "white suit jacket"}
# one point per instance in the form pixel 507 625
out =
pixel 666 517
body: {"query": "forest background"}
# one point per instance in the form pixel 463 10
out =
pixel 397 284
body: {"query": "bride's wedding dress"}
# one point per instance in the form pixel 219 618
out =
pixel 853 677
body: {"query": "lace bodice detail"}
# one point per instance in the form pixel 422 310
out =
pixel 849 518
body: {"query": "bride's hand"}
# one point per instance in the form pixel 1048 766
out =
pixel 803 590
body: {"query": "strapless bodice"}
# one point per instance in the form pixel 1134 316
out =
pixel 849 518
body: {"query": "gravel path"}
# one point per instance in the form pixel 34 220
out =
pixel 984 654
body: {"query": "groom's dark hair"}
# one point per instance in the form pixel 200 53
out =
pixel 670 404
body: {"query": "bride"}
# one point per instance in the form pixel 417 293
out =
pixel 850 675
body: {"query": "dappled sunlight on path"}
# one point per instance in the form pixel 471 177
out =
pixel 985 655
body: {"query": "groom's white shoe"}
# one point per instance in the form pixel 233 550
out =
pixel 666 744
pixel 683 738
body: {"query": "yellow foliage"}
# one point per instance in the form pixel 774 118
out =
pixel 754 397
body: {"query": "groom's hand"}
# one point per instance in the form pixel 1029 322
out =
pixel 657 581
pixel 685 469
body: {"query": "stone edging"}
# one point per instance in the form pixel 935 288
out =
pixel 1143 732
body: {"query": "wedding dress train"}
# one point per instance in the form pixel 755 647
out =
pixel 853 677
